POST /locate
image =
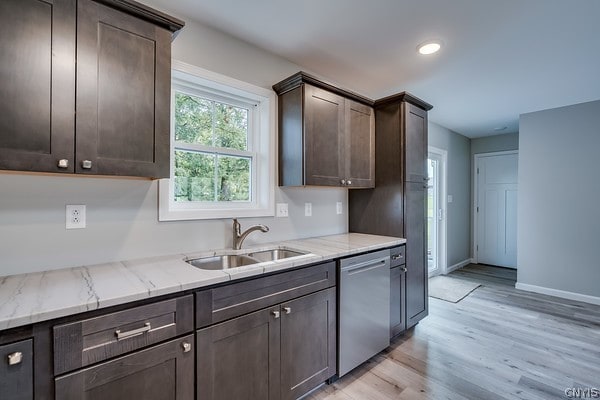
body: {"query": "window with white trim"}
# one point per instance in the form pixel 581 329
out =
pixel 222 148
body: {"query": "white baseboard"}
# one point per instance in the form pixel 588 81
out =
pixel 559 293
pixel 459 265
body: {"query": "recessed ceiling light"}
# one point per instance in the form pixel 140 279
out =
pixel 500 128
pixel 429 47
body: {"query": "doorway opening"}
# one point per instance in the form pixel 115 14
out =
pixel 495 208
pixel 436 211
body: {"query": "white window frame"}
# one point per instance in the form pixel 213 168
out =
pixel 261 145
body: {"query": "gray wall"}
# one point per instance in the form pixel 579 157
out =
pixel 458 224
pixel 559 218
pixel 488 144
pixel 122 213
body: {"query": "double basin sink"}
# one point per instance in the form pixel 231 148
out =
pixel 227 261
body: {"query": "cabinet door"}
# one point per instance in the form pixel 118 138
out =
pixel 239 359
pixel 360 145
pixel 308 343
pixel 415 125
pixel 163 372
pixel 123 93
pixel 37 76
pixel 397 302
pixel 16 370
pixel 323 137
pixel 416 265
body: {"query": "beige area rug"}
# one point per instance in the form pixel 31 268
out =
pixel 450 289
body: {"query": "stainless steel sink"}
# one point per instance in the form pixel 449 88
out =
pixel 238 260
pixel 275 254
pixel 223 262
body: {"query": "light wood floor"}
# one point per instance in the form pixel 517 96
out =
pixel 497 343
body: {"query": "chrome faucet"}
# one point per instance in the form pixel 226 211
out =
pixel 238 236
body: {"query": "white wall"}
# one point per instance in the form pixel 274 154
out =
pixel 559 193
pixel 458 232
pixel 122 213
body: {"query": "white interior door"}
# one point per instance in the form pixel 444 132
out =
pixel 497 209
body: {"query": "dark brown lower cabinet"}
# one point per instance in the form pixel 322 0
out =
pixel 397 296
pixel 308 343
pixel 16 370
pixel 280 352
pixel 162 372
pixel 417 305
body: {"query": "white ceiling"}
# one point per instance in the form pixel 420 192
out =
pixel 501 58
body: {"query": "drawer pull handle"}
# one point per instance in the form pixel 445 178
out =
pixel 133 332
pixel 287 310
pixel 15 358
pixel 396 257
pixel 186 347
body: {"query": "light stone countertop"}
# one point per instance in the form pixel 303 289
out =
pixel 41 296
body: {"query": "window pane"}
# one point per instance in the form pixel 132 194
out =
pixel 194 176
pixel 193 119
pixel 234 178
pixel 231 126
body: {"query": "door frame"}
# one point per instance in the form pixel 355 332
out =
pixel 442 234
pixel 474 213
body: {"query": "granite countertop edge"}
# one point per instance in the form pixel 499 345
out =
pixel 41 296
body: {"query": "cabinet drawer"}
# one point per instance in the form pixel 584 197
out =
pixel 16 370
pixel 88 341
pixel 398 256
pixel 164 371
pixel 226 302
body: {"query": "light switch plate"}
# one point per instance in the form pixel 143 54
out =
pixel 282 210
pixel 339 208
pixel 308 209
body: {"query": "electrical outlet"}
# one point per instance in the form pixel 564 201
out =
pixel 75 216
pixel 339 208
pixel 282 210
pixel 308 209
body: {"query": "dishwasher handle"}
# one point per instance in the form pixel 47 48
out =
pixel 365 265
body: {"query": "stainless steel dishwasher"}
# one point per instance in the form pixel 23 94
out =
pixel 364 308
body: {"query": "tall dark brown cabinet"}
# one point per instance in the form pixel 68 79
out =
pixel 397 204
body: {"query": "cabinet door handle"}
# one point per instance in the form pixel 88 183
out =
pixel 349 182
pixel 86 164
pixel 404 269
pixel 275 314
pixel 343 182
pixel 133 332
pixel 15 358
pixel 63 163
pixel 287 310
pixel 186 347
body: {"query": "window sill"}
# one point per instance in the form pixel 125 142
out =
pixel 168 213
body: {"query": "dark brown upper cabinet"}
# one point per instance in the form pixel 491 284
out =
pixel 326 135
pixel 37 43
pixel 86 87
